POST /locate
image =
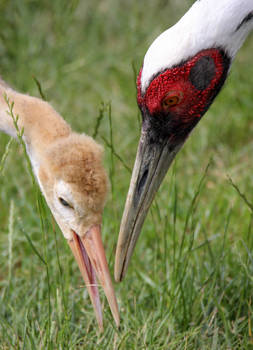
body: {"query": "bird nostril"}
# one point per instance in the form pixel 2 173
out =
pixel 140 187
pixel 142 181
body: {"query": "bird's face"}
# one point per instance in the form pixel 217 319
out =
pixel 75 185
pixel 72 209
pixel 172 103
pixel 177 98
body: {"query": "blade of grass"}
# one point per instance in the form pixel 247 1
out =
pixel 99 119
pixel 41 211
pixel 242 195
pixel 10 239
pixel 116 154
pixel 112 168
pixel 4 157
pixel 42 95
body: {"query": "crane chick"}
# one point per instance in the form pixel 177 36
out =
pixel 68 167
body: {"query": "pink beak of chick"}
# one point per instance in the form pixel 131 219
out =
pixel 90 256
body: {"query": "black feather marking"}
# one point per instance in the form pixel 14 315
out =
pixel 202 73
pixel 245 20
pixel 142 181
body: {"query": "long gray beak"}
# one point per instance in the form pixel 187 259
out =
pixel 153 159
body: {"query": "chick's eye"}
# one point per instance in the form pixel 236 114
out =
pixel 170 100
pixel 64 203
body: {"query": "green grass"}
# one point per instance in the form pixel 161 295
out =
pixel 190 282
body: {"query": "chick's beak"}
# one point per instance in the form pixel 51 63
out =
pixel 90 256
pixel 154 156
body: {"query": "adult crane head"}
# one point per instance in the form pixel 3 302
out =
pixel 69 169
pixel 182 73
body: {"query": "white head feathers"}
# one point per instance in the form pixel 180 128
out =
pixel 208 24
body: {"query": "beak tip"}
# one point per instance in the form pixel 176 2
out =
pixel 123 255
pixel 118 270
pixel 118 276
pixel 117 321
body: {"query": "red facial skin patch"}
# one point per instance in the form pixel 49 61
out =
pixel 194 101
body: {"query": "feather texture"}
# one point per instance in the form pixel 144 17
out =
pixel 208 24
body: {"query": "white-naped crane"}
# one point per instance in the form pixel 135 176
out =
pixel 68 167
pixel 182 73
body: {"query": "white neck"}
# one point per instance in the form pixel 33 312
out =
pixel 41 124
pixel 208 24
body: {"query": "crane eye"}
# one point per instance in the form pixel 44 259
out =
pixel 65 203
pixel 171 99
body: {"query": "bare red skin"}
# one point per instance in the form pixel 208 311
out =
pixel 194 102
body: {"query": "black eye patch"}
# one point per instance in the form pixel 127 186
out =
pixel 202 73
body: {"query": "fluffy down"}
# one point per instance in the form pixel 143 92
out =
pixel 77 160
